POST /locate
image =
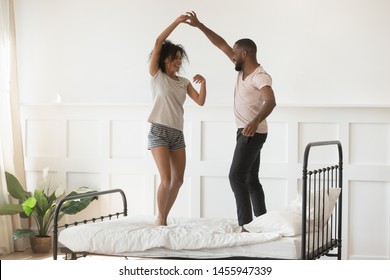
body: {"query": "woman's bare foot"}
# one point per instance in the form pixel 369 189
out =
pixel 160 222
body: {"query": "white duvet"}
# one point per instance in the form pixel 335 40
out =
pixel 138 233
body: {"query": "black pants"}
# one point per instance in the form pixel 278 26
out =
pixel 244 177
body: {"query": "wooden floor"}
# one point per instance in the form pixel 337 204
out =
pixel 26 255
pixel 29 255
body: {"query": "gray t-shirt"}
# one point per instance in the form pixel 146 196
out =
pixel 168 99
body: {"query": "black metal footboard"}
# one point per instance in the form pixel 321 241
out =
pixel 322 236
pixel 56 227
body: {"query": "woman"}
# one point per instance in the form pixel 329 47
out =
pixel 166 139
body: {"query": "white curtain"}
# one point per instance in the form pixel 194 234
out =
pixel 11 144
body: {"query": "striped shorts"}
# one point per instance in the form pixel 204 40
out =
pixel 161 135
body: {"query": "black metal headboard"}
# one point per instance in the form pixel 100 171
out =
pixel 81 196
pixel 321 180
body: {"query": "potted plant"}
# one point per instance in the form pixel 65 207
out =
pixel 41 207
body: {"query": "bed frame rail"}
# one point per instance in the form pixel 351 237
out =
pixel 327 236
pixel 56 227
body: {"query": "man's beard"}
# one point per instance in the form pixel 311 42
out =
pixel 238 66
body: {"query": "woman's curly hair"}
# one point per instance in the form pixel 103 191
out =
pixel 169 50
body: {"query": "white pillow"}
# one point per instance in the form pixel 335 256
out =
pixel 333 196
pixel 289 222
pixel 283 221
pixel 329 204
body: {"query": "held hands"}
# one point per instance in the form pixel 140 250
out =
pixel 192 19
pixel 189 18
pixel 182 19
pixel 199 79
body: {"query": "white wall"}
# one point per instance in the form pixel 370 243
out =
pixel 328 60
pixel 96 51
pixel 104 147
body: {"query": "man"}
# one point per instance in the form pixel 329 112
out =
pixel 254 101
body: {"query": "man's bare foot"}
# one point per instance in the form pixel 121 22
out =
pixel 243 229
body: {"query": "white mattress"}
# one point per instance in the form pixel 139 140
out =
pixel 284 248
pixel 202 238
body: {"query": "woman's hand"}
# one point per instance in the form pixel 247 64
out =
pixel 198 97
pixel 182 18
pixel 199 79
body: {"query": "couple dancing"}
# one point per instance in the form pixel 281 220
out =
pixel 254 100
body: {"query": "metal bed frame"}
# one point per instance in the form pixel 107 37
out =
pixel 316 181
pixel 56 227
pixel 315 244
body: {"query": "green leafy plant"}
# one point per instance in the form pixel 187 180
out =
pixel 40 205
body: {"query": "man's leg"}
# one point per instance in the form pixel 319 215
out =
pixel 245 154
pixel 254 186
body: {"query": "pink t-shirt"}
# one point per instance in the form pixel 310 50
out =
pixel 248 98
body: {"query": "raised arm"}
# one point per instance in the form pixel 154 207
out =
pixel 153 65
pixel 214 38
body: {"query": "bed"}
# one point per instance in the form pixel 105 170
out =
pixel 309 228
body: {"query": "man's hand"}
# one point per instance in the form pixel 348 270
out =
pixel 250 129
pixel 192 19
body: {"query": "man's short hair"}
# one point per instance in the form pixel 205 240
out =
pixel 247 44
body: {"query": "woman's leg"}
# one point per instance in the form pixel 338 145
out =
pixel 171 166
pixel 161 156
pixel 178 164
